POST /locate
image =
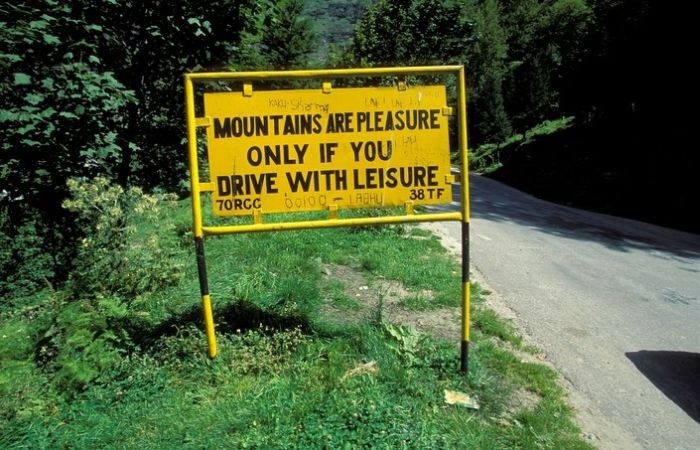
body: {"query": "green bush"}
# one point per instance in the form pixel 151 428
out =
pixel 25 394
pixel 117 260
pixel 24 263
pixel 88 343
pixel 116 257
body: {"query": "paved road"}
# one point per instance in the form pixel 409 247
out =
pixel 614 303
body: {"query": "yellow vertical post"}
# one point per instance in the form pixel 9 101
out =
pixel 197 215
pixel 466 300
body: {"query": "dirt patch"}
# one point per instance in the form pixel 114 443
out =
pixel 443 322
pixel 351 295
pixel 345 291
pixel 522 400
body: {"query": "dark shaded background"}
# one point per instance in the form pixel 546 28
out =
pixel 632 150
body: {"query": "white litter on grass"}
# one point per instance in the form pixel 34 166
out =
pixel 461 399
pixel 366 368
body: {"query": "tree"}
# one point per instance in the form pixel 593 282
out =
pixel 62 116
pixel 441 32
pixel 517 53
pixel 281 37
pixel 95 88
pixel 546 42
pixel 488 70
pixel 151 45
pixel 410 32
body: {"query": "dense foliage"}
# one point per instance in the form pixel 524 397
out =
pixel 629 150
pixel 95 88
pixel 516 53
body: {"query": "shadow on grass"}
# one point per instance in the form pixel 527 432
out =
pixel 231 318
pixel 676 374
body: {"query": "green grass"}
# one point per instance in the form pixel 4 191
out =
pixel 278 381
pixel 417 302
pixel 489 323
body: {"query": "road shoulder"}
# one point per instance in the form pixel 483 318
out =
pixel 595 429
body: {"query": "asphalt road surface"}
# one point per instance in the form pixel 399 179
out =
pixel 614 304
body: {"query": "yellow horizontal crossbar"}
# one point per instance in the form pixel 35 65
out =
pixel 333 73
pixel 202 121
pixel 331 223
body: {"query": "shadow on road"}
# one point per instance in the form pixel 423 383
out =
pixel 676 374
pixel 493 200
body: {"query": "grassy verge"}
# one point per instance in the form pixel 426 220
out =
pixel 131 371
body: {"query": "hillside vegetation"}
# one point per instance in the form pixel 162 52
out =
pixel 332 22
pixel 614 72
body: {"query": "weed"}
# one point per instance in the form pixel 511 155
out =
pixel 378 319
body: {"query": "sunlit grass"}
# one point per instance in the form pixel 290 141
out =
pixel 280 380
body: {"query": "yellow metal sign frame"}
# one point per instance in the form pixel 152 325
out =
pixel 198 187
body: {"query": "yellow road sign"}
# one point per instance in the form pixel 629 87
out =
pixel 326 149
pixel 305 150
